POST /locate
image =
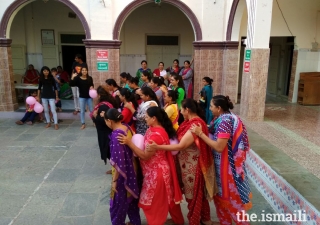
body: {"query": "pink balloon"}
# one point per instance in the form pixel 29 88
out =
pixel 31 100
pixel 38 108
pixel 138 140
pixel 93 93
pixel 174 142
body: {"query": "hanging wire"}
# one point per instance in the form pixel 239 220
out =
pixel 284 18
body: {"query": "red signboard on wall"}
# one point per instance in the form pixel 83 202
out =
pixel 246 67
pixel 102 54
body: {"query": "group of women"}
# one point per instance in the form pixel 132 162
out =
pixel 209 165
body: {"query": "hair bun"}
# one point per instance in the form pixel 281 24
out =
pixel 230 104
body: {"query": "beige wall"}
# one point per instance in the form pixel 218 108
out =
pixel 301 17
pixel 27 24
pixel 167 20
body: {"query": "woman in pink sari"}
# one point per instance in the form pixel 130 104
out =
pixel 187 76
pixel 160 192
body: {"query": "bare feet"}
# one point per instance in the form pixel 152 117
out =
pixel 109 172
pixel 75 112
pixel 83 126
pixel 56 127
pixel 48 125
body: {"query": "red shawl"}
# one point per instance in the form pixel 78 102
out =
pixel 205 174
pixel 98 105
pixel 205 161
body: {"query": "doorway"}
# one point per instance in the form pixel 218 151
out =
pixel 68 53
pixel 280 63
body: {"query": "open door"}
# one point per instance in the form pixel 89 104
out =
pixel 273 71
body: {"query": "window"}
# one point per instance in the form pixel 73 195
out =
pixel 162 40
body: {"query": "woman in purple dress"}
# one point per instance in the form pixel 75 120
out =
pixel 125 190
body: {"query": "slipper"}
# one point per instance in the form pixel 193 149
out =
pixel 109 172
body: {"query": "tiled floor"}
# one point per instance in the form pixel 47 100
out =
pixel 289 141
pixel 50 177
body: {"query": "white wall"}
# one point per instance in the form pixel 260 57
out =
pixel 27 24
pixel 101 15
pixel 307 62
pixel 167 20
pixel 301 17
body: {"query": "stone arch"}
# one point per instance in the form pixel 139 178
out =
pixel 137 3
pixel 236 11
pixel 15 6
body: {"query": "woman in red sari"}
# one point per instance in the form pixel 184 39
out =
pixel 196 163
pixel 31 76
pixel 160 192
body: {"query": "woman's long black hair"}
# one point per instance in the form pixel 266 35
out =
pixel 173 94
pixel 42 75
pixel 178 77
pixel 105 96
pixel 159 81
pixel 113 83
pixel 194 107
pixel 129 96
pixel 163 119
pixel 149 92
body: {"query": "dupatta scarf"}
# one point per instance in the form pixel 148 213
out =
pixel 205 161
pixel 98 105
pixel 177 194
pixel 237 148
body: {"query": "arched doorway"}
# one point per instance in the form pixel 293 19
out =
pixel 27 38
pixel 156 33
pixel 136 4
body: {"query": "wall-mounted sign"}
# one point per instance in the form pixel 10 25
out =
pixel 47 37
pixel 246 67
pixel 102 66
pixel 248 55
pixel 102 54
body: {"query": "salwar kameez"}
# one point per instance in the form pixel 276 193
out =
pixel 160 192
pixel 234 191
pixel 197 172
pixel 187 76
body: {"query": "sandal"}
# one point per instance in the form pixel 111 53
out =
pixel 109 172
pixel 19 122
pixel 75 112
pixel 83 127
pixel 48 125
pixel 56 127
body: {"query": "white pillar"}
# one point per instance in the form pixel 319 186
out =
pixel 254 82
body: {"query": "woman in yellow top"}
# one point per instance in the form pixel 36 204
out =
pixel 171 107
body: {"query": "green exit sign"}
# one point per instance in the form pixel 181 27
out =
pixel 157 1
pixel 102 66
pixel 248 55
